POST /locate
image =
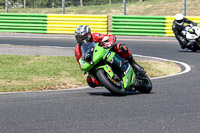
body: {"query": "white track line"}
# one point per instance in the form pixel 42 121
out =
pixel 187 67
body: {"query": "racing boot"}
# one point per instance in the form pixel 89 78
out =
pixel 136 67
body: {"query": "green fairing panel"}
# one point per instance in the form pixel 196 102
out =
pixel 109 56
pixel 85 65
pixel 108 70
pixel 129 78
pixel 99 53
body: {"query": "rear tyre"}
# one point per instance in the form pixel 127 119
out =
pixel 108 83
pixel 145 85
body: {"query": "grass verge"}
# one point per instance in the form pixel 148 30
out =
pixel 148 7
pixel 34 73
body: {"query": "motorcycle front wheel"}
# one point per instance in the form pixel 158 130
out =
pixel 103 78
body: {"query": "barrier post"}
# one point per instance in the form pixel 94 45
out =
pixel 63 6
pixel 6 5
pixel 184 7
pixel 124 6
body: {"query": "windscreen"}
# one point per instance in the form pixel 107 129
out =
pixel 87 47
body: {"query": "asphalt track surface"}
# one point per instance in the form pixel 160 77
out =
pixel 172 107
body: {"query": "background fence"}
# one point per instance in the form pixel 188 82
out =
pixel 138 25
pixel 66 24
pixel 29 23
pixel 144 25
pixel 51 23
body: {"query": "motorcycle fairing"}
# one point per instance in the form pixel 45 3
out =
pixel 85 65
pixel 108 70
pixel 127 73
pixel 129 77
pixel 91 55
pixel 191 32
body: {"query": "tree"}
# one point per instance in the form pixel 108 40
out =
pixel 2 4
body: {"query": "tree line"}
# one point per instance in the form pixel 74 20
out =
pixel 58 3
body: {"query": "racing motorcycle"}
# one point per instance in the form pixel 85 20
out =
pixel 111 70
pixel 192 34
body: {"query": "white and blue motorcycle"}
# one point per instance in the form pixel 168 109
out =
pixel 192 35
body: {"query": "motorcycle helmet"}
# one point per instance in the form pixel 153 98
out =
pixel 179 19
pixel 83 34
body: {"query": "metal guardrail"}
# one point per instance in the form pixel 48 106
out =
pixel 28 23
pixel 67 24
pixel 138 25
pixel 145 25
pixel 51 23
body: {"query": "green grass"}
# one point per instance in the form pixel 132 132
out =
pixel 148 7
pixel 22 73
pixel 34 73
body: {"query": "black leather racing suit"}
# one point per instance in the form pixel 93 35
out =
pixel 177 31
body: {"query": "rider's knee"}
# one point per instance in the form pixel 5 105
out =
pixel 120 47
pixel 123 47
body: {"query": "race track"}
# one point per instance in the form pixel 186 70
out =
pixel 172 107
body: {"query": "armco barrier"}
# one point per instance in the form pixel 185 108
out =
pixel 67 24
pixel 138 25
pixel 144 25
pixel 28 23
pixel 51 23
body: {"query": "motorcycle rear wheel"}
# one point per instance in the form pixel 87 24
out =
pixel 108 83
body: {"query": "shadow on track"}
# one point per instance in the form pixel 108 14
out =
pixel 188 51
pixel 108 94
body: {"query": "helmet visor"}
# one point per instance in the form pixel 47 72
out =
pixel 81 38
pixel 179 21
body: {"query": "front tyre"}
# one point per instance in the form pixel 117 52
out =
pixel 108 84
pixel 144 84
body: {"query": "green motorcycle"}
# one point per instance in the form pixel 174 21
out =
pixel 111 70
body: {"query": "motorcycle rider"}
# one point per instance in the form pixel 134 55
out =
pixel 177 26
pixel 83 34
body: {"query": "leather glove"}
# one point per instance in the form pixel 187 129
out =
pixel 195 24
pixel 107 46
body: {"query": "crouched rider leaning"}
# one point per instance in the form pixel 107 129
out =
pixel 83 34
pixel 177 26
